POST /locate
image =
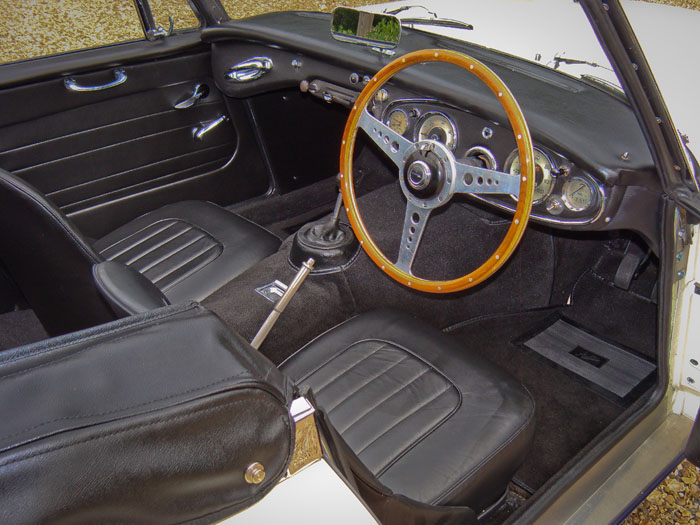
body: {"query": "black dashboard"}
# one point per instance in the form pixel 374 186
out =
pixel 595 171
pixel 564 194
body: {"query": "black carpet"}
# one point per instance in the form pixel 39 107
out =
pixel 550 274
pixel 568 414
pixel 455 242
pixel 20 328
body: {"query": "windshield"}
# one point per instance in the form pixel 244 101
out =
pixel 552 33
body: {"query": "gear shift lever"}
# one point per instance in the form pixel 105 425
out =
pixel 331 243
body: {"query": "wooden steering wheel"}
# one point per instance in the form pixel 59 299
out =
pixel 430 175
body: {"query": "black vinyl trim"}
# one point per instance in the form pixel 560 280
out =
pixel 168 178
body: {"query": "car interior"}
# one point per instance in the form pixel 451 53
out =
pixel 211 174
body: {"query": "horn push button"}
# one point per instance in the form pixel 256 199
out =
pixel 424 174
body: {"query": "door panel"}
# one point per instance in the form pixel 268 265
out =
pixel 105 157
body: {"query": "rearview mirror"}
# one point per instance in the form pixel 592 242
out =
pixel 360 27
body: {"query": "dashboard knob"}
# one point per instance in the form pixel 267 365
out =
pixel 554 205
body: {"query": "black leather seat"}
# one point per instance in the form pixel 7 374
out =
pixel 431 420
pixel 188 250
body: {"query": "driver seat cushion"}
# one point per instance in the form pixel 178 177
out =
pixel 430 419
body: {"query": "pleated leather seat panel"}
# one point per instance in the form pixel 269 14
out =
pixel 189 249
pixel 389 383
pixel 166 252
pixel 430 419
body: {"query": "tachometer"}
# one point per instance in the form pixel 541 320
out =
pixel 398 121
pixel 436 126
pixel 544 182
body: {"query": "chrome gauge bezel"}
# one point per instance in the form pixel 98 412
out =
pixel 387 120
pixel 552 169
pixel 481 150
pixel 428 116
pixel 593 188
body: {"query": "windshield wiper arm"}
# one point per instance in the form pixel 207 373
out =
pixel 559 60
pixel 439 22
pixel 426 21
pixel 407 7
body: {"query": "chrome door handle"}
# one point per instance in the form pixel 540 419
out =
pixel 199 132
pixel 119 78
pixel 200 91
pixel 250 69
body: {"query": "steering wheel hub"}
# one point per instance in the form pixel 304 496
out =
pixel 427 174
pixel 419 175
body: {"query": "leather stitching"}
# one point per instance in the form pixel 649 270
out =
pixel 189 414
pixel 172 253
pixel 428 429
pixel 141 254
pixel 186 243
pixel 349 395
pixel 488 458
pixel 335 355
pixel 403 418
pixel 131 246
pixel 121 409
pixel 319 387
pixel 386 397
pixel 100 332
pixel 189 260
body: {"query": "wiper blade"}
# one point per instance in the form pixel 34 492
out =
pixel 407 7
pixel 559 60
pixel 426 21
pixel 439 22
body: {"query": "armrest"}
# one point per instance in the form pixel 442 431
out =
pixel 126 290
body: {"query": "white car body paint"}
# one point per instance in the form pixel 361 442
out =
pixel 315 494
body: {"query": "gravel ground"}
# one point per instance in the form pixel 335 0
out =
pixel 34 28
pixel 676 500
pixel 38 27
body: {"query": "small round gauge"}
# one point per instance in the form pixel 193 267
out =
pixel 436 126
pixel 398 121
pixel 578 193
pixel 544 182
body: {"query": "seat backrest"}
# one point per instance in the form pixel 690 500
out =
pixel 49 259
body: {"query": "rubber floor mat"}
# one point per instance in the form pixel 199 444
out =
pixel 605 365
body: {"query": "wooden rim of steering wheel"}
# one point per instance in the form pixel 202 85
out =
pixel 527 180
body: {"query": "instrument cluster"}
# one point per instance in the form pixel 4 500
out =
pixel 563 193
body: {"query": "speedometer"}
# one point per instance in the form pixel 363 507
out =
pixel 436 126
pixel 544 182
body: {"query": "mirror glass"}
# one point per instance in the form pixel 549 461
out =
pixel 360 27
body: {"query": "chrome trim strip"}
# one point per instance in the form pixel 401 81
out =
pixel 119 78
pixel 551 220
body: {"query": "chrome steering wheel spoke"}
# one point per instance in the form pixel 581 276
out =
pixel 413 227
pixel 390 142
pixel 474 179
